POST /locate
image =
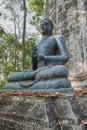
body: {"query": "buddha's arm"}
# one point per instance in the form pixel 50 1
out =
pixel 63 56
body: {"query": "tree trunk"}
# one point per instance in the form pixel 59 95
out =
pixel 23 36
pixel 16 47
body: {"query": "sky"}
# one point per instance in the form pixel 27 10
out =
pixel 6 19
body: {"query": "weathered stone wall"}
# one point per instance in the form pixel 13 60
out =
pixel 70 19
pixel 43 113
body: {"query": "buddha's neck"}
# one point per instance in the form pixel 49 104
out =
pixel 46 36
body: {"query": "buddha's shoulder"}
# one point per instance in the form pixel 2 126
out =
pixel 59 36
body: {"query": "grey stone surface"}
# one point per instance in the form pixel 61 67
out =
pixel 69 18
pixel 73 127
pixel 48 65
pixel 42 113
pixel 16 86
pixel 67 108
pixel 81 101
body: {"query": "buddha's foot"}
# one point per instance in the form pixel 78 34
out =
pixel 56 83
pixel 27 84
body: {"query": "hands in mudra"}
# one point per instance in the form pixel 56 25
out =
pixel 41 56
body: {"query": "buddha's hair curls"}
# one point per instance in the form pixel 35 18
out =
pixel 50 21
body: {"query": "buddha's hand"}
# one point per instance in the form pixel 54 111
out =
pixel 41 56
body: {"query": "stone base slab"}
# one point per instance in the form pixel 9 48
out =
pixel 43 113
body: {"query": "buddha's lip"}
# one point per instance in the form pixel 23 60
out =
pixel 41 29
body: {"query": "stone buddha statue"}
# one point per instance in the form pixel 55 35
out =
pixel 48 73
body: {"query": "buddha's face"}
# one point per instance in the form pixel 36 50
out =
pixel 45 27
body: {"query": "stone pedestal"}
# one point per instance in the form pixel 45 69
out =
pixel 42 113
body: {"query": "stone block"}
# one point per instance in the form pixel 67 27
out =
pixel 73 127
pixel 67 110
pixel 42 113
pixel 81 102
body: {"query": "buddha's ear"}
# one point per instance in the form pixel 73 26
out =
pixel 50 29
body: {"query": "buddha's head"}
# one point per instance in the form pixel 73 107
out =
pixel 46 27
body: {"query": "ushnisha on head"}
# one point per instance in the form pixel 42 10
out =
pixel 46 26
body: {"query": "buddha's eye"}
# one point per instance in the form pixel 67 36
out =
pixel 45 24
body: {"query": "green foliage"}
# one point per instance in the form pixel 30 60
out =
pixel 6 47
pixel 29 45
pixel 36 6
pixel 11 43
pixel 7 54
pixel 9 39
pixel 6 57
pixel 2 83
pixel 1 32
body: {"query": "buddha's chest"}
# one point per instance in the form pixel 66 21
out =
pixel 47 47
